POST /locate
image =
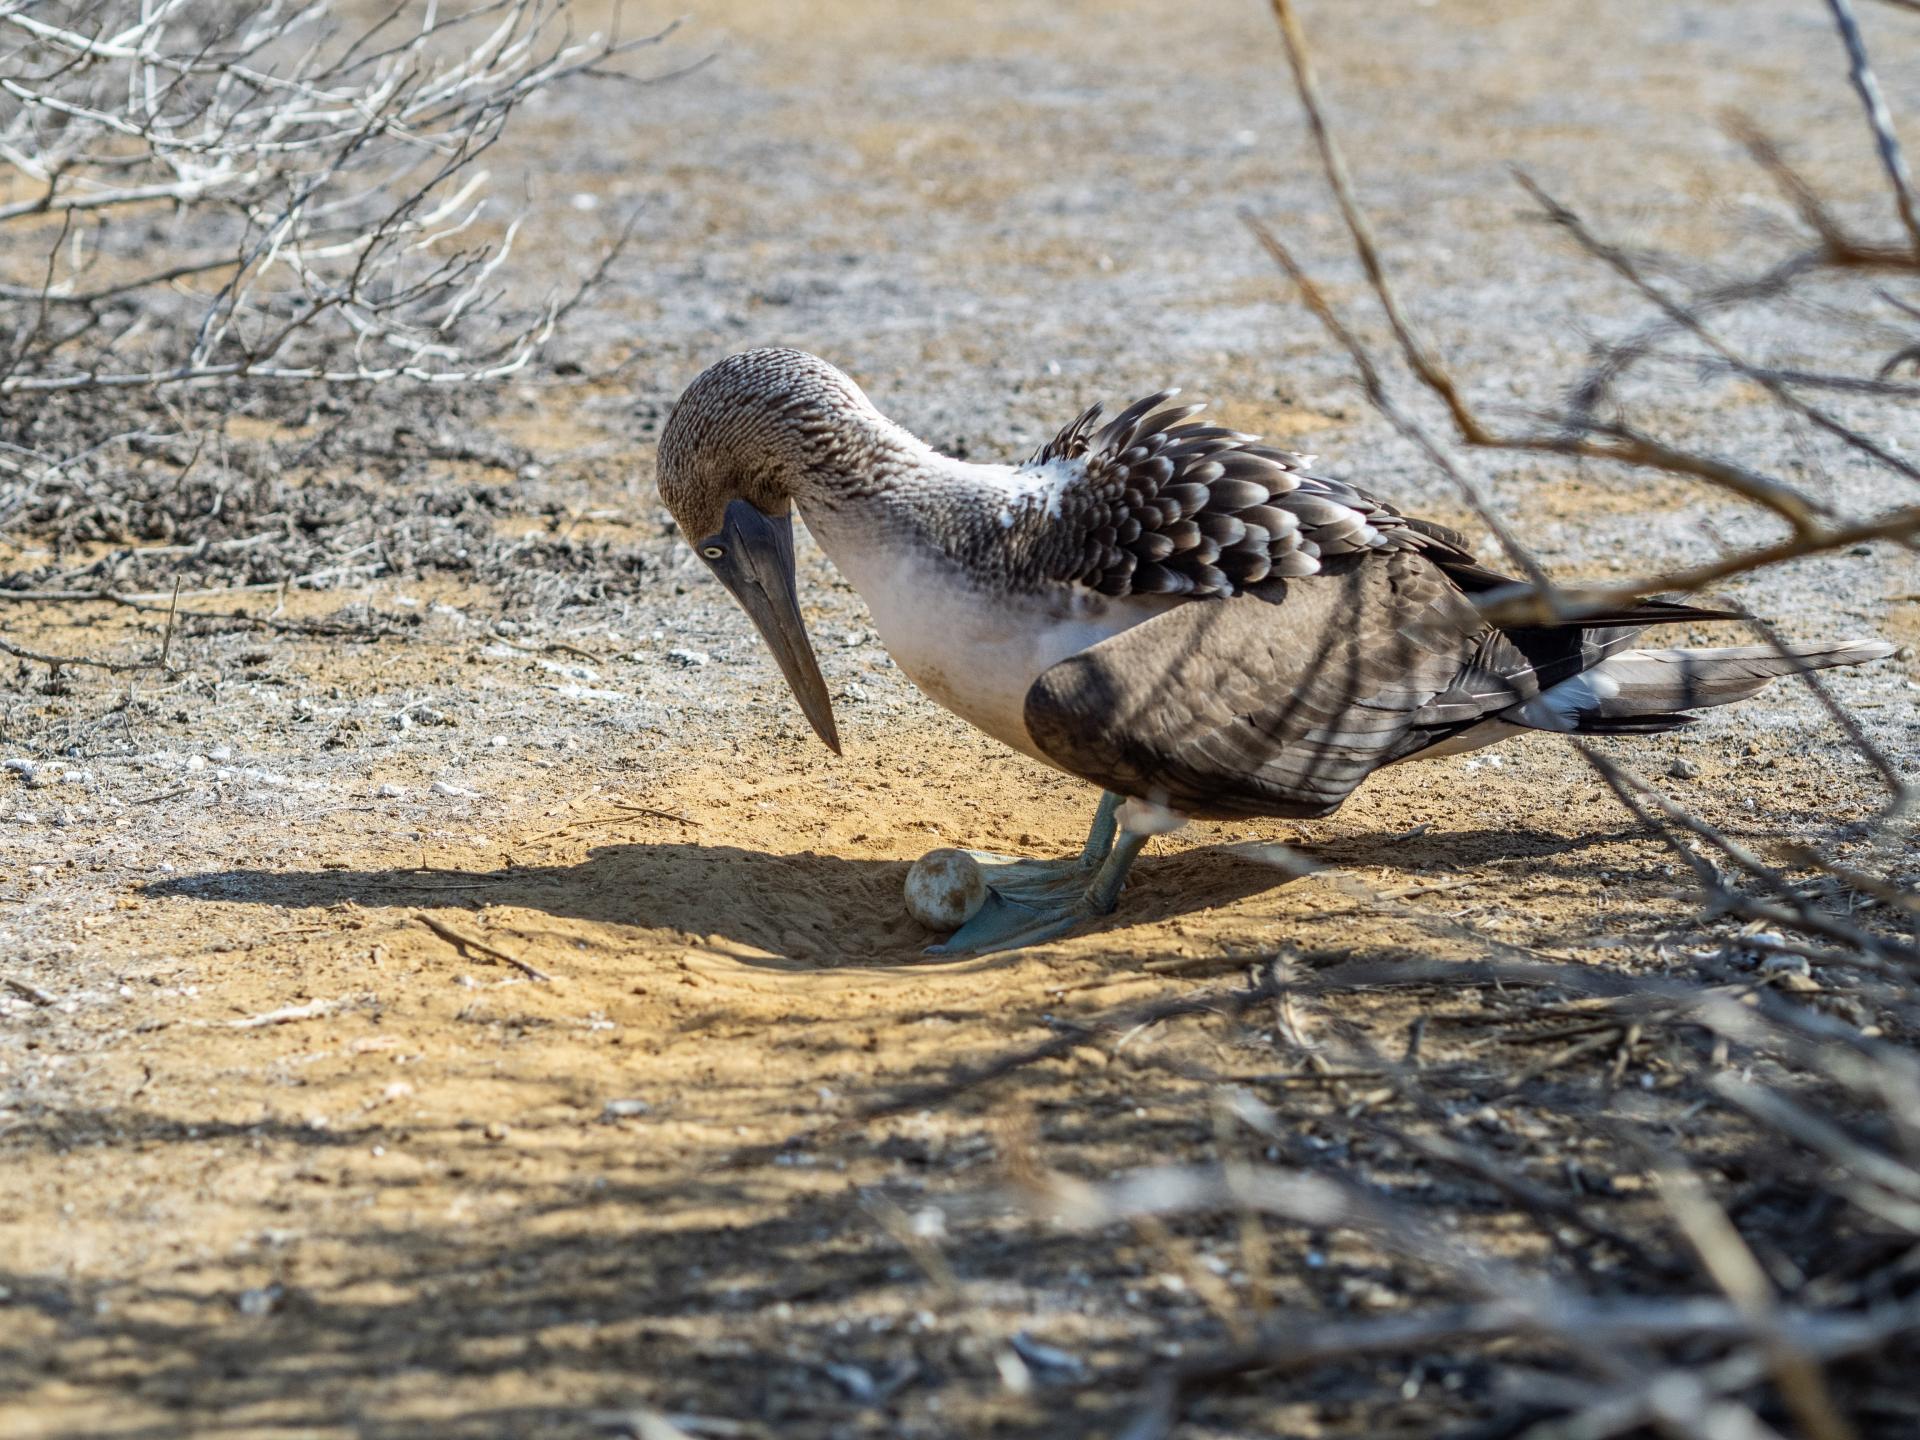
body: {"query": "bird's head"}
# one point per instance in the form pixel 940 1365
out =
pixel 750 434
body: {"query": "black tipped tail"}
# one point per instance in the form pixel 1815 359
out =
pixel 1636 692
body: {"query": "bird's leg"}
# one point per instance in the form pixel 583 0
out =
pixel 1013 878
pixel 1029 901
pixel 1100 837
pixel 1104 891
pixel 1037 882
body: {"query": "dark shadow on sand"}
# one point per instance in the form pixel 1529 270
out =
pixel 822 909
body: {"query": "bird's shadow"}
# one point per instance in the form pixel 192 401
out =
pixel 818 909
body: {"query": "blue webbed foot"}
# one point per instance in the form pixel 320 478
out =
pixel 1032 901
pixel 1005 924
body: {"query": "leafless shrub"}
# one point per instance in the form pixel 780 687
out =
pixel 202 192
pixel 208 205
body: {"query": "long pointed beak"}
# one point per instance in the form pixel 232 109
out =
pixel 753 556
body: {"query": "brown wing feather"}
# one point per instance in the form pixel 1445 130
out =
pixel 1168 507
pixel 1329 634
pixel 1172 508
pixel 1280 701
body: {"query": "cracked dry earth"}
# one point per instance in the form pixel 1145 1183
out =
pixel 471 1023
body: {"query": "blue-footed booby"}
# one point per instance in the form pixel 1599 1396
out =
pixel 1174 612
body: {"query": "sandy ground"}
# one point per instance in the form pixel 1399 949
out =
pixel 467 1025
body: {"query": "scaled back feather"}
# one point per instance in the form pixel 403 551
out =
pixel 1172 507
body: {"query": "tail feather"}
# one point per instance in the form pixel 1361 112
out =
pixel 1636 724
pixel 1640 690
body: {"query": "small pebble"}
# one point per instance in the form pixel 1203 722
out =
pixel 624 1109
pixel 1042 1356
pixel 1367 1295
pixel 390 792
pixel 929 1222
pixel 858 1383
pixel 689 659
pixel 1013 1372
pixel 260 1302
pixel 496 1131
pixel 1683 769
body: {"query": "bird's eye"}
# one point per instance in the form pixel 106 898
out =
pixel 713 552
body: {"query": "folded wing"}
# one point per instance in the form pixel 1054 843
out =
pixel 1282 699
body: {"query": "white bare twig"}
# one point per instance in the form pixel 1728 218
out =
pixel 1860 72
pixel 317 165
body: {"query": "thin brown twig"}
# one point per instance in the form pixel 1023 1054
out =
pixel 1543 602
pixel 173 610
pixel 1622 264
pixel 1300 1344
pixel 1725 1256
pixel 1881 953
pixel 1518 606
pixel 1333 162
pixel 1382 400
pixel 26 991
pixel 481 947
pixel 59 662
pixel 1899 792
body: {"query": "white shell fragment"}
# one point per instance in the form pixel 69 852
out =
pixel 945 889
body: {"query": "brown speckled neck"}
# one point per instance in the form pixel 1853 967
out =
pixel 775 426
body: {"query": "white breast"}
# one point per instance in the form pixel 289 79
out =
pixel 971 650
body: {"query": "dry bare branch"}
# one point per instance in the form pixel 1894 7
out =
pixel 1813 527
pixel 1860 72
pixel 326 189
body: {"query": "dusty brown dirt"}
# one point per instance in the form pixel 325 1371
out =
pixel 313 1164
pixel 463 1028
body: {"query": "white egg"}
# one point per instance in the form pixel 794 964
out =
pixel 945 889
